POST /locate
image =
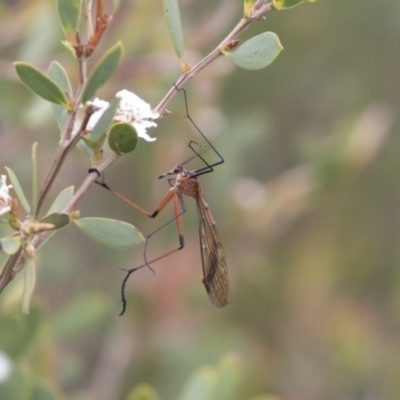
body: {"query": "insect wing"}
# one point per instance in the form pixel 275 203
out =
pixel 215 272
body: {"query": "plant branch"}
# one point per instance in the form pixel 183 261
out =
pixel 16 262
pixel 64 148
pixel 214 54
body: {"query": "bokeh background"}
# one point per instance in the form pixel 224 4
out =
pixel 307 205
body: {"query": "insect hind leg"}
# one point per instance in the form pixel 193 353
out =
pixel 180 209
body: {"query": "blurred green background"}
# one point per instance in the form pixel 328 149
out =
pixel 307 206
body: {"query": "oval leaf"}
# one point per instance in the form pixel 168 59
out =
pixel 18 190
pixel 69 13
pixel 96 146
pixel 104 121
pixel 228 378
pixel 256 53
pixel 10 244
pixel 58 205
pixel 85 149
pixel 173 17
pixel 199 385
pixel 122 138
pixel 57 219
pixel 59 75
pixel 142 392
pixel 18 335
pixel 61 200
pixel 40 83
pixel 102 71
pixel 60 114
pixel 110 232
pixel 283 4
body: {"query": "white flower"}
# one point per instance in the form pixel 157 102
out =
pixel 5 198
pixel 132 110
pixel 94 118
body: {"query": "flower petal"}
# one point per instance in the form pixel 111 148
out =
pixel 5 210
pixel 135 106
pixel 141 131
pixel 94 118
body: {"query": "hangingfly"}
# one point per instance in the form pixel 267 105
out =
pixel 187 182
pixel 215 272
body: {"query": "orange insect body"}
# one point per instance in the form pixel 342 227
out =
pixel 215 272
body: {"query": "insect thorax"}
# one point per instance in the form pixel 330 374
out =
pixel 188 184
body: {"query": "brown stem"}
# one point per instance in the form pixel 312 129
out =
pixel 63 150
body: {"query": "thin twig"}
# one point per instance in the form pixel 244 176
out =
pixel 233 35
pixel 16 262
pixel 62 153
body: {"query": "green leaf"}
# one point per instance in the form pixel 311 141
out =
pixel 105 120
pixel 256 53
pixel 173 17
pixel 102 71
pixel 85 149
pixel 85 313
pixel 61 200
pixel 44 392
pixel 70 47
pixel 142 391
pixel 69 13
pixel 266 397
pixel 18 190
pixel 248 7
pixel 17 385
pixel 10 244
pixel 96 146
pixel 34 178
pixel 58 205
pixel 59 220
pixel 122 138
pixel 29 285
pixel 110 232
pixel 199 385
pixel 19 332
pixel 283 4
pixel 228 378
pixel 60 115
pixel 59 75
pixel 40 83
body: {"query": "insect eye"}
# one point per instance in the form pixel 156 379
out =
pixel 178 168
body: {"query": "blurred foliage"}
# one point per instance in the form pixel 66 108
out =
pixel 306 205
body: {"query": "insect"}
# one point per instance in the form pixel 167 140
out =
pixel 188 183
